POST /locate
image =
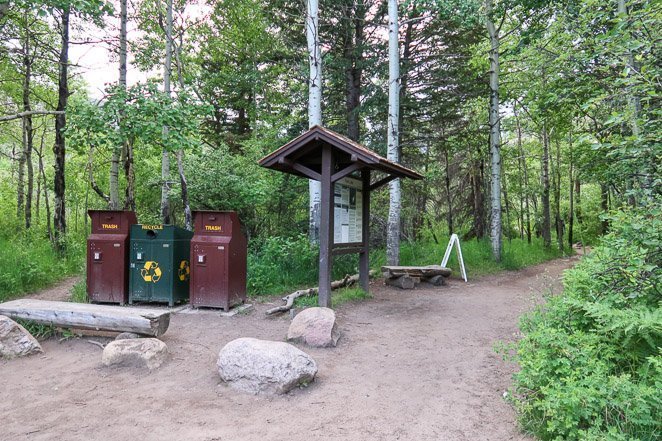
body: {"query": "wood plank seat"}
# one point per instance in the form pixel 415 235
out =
pixel 89 316
pixel 406 277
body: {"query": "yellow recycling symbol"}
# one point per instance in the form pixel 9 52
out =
pixel 184 270
pixel 151 272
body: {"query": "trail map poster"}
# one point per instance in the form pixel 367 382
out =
pixel 348 211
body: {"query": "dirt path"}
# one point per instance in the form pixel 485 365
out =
pixel 411 365
pixel 59 292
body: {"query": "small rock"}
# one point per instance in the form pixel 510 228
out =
pixel 315 327
pixel 147 353
pixel 127 336
pixel 264 367
pixel 15 340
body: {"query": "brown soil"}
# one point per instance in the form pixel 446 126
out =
pixel 60 292
pixel 411 365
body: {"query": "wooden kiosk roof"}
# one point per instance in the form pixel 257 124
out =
pixel 303 157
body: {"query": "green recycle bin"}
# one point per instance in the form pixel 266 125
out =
pixel 159 269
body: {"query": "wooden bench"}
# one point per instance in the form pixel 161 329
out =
pixel 406 277
pixel 88 316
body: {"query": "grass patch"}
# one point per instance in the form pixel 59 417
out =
pixel 478 260
pixel 283 265
pixel 28 263
pixel 79 292
pixel 338 297
pixel 38 330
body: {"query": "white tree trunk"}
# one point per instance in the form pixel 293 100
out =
pixel 495 135
pixel 393 227
pixel 113 191
pixel 165 155
pixel 314 107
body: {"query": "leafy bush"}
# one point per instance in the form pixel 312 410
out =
pixel 591 358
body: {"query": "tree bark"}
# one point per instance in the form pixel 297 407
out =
pixel 558 220
pixel 495 136
pixel 546 221
pixel 314 108
pixel 59 148
pixel 449 200
pixel 571 199
pixel 129 192
pixel 506 205
pixel 353 53
pixel 28 131
pixel 522 158
pixel 44 184
pixel 119 151
pixel 188 216
pixel 604 204
pixel 166 210
pixel 127 146
pixel 393 226
pixel 477 196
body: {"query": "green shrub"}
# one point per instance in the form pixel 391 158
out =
pixel 591 358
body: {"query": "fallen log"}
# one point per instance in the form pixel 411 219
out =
pixel 88 316
pixel 290 298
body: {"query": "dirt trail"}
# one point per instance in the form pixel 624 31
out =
pixel 60 292
pixel 411 365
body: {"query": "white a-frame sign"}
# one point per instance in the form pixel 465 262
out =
pixel 455 240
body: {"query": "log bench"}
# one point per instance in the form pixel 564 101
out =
pixel 88 316
pixel 407 277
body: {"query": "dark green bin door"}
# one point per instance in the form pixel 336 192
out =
pixel 159 270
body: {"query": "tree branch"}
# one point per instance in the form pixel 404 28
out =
pixel 30 113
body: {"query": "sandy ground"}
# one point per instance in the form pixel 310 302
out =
pixel 411 365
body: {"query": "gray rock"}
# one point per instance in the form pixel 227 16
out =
pixel 147 353
pixel 127 336
pixel 264 367
pixel 315 327
pixel 15 340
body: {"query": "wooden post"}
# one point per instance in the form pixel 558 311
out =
pixel 326 228
pixel 364 256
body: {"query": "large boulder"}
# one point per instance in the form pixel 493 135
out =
pixel 264 367
pixel 147 353
pixel 15 340
pixel 315 327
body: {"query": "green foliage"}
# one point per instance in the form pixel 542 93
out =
pixel 477 254
pixel 591 359
pixel 79 292
pixel 37 330
pixel 283 264
pixel 29 262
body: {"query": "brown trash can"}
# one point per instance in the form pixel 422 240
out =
pixel 218 260
pixel 108 256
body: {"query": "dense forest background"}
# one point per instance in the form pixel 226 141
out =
pixel 578 113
